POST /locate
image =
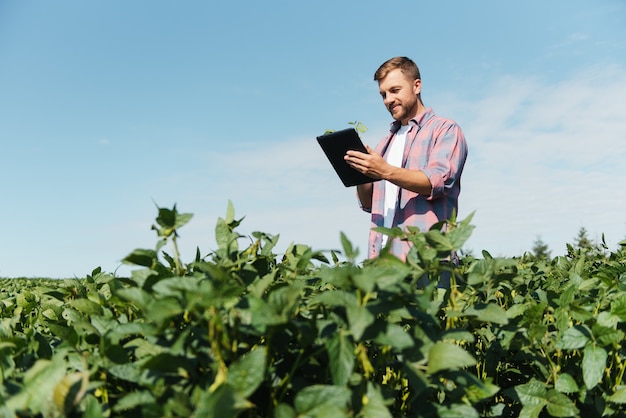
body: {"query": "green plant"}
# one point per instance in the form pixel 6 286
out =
pixel 243 331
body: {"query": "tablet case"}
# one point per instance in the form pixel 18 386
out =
pixel 335 145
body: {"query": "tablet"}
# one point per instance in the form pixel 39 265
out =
pixel 335 145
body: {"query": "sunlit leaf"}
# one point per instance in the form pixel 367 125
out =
pixel 489 313
pixel 395 336
pixel 565 383
pixel 593 365
pixel 446 356
pixel 559 405
pixel 619 396
pixel 39 383
pixel 310 400
pixel 456 410
pixel 532 393
pixel 574 338
pixel 247 373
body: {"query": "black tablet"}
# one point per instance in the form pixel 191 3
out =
pixel 335 145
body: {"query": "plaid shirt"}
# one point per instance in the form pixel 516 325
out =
pixel 437 147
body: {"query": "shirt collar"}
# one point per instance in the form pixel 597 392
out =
pixel 419 120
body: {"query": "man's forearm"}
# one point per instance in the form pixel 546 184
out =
pixel 364 192
pixel 413 180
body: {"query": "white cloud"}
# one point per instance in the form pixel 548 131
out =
pixel 546 159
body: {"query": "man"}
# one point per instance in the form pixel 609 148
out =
pixel 419 162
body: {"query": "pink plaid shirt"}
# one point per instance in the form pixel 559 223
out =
pixel 436 146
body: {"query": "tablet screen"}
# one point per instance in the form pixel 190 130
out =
pixel 335 145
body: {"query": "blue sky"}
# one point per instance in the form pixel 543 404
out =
pixel 109 106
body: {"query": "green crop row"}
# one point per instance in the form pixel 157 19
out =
pixel 244 332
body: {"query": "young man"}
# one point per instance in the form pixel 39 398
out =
pixel 419 162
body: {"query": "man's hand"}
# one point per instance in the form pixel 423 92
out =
pixel 374 165
pixel 371 164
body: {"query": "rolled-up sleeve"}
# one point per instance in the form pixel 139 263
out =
pixel 446 161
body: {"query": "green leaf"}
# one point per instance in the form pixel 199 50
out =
pixel 93 409
pixel 457 410
pixel 312 399
pixel 114 352
pixel 619 396
pixel 560 405
pixel 417 378
pixel 607 336
pixel 174 286
pixel 167 363
pixel 129 372
pixel 446 356
pixel 565 383
pixel 516 310
pixel 395 336
pixel 166 217
pixel 531 411
pixel 381 276
pixel 618 307
pixel 364 281
pixel 374 404
pixel 230 212
pixel 86 306
pixel 39 383
pixel 134 399
pixel 350 252
pixel 593 365
pixel 223 235
pixel 476 390
pixel 336 298
pixel 262 314
pixel 607 319
pixel 139 297
pixel 567 295
pixel 132 328
pixel 461 233
pixel 247 373
pixel 283 410
pixel 359 318
pixel 164 309
pixel 182 219
pixel 532 393
pixel 395 232
pixel 574 338
pixel 341 358
pixel 480 271
pixel 489 313
pixel 141 257
pixel 439 241
pixel 283 300
pixel 224 402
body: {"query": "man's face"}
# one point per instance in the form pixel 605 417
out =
pixel 400 95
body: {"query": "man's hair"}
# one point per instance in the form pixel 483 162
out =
pixel 406 65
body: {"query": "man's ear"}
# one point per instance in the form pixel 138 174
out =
pixel 417 86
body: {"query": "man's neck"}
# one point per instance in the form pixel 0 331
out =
pixel 418 111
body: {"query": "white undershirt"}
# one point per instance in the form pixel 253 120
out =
pixel 394 157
